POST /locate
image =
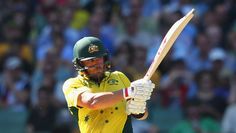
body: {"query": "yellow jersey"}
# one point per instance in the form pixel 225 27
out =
pixel 109 120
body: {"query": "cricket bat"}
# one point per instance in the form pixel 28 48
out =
pixel 167 42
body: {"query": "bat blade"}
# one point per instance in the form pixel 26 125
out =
pixel 168 41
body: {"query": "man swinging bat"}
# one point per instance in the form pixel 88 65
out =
pixel 104 101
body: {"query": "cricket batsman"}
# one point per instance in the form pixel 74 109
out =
pixel 101 100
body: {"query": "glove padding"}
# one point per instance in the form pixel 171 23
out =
pixel 140 90
pixel 135 107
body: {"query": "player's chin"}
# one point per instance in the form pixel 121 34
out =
pixel 98 77
pixel 97 74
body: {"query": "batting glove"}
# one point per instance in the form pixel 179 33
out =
pixel 140 89
pixel 135 107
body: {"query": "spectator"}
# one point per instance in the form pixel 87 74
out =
pixel 175 84
pixel 215 35
pixel 94 28
pixel 211 105
pixel 123 56
pixel 131 32
pixel 194 122
pixel 198 58
pixel 49 73
pixel 138 66
pixel 43 115
pixel 14 86
pixel 219 58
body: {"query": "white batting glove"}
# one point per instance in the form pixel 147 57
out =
pixel 135 107
pixel 140 89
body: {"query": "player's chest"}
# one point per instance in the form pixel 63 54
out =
pixel 107 85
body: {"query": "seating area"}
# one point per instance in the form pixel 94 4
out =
pixel 166 118
pixel 12 121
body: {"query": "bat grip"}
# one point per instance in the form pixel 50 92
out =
pixel 147 77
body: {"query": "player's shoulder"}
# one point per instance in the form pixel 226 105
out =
pixel 117 73
pixel 119 76
pixel 71 82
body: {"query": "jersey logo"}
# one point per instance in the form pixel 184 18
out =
pixel 112 82
pixel 93 48
pixel 86 118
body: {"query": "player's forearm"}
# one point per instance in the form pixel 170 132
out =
pixel 100 100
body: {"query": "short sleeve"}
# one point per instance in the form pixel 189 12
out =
pixel 72 89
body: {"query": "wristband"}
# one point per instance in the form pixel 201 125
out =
pixel 127 92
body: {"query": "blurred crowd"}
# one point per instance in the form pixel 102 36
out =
pixel 195 84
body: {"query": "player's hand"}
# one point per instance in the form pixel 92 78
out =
pixel 140 89
pixel 135 107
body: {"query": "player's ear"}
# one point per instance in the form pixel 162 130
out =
pixel 107 60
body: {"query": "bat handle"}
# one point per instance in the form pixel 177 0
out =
pixel 147 77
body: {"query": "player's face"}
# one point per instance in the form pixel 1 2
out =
pixel 95 67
